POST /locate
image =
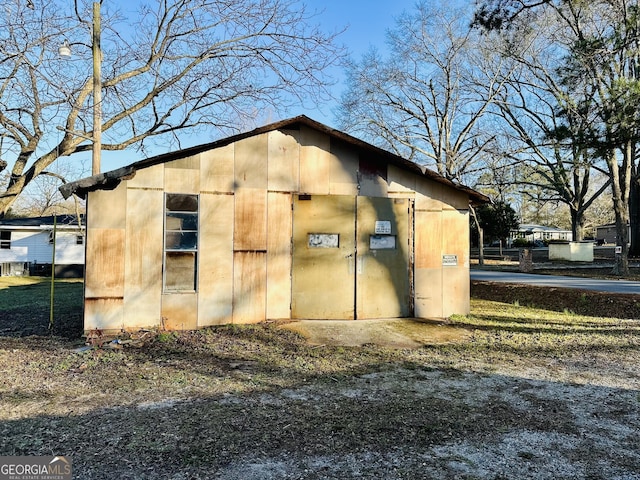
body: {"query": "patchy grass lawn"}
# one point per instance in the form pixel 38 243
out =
pixel 530 393
pixel 25 306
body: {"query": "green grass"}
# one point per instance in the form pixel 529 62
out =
pixel 25 304
pixel 539 333
pixel 35 293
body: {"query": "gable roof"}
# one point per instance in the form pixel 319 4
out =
pixel 110 180
pixel 39 223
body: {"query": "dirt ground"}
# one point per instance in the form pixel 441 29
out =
pixel 514 401
pixel 510 393
pixel 446 424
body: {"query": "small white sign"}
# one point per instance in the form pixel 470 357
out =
pixel 449 260
pixel 619 249
pixel 383 227
pixel 382 242
pixel 324 240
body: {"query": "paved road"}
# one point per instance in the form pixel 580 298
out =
pixel 558 281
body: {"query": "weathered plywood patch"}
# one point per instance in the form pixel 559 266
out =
pixel 105 262
pixel 279 256
pixel 215 267
pixel 249 287
pixel 179 311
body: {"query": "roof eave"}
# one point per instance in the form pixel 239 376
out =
pixel 110 180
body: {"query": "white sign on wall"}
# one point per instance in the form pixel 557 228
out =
pixel 382 242
pixel 383 227
pixel 449 260
pixel 324 240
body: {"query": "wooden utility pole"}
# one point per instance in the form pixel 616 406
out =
pixel 97 91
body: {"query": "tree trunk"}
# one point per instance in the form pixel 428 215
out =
pixel 620 186
pixel 480 236
pixel 634 217
pixel 5 204
pixel 577 225
pixel 621 266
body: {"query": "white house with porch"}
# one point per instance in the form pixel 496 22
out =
pixel 541 233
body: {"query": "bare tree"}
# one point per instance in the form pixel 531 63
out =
pixel 427 98
pixel 545 131
pixel 520 185
pixel 600 212
pixel 42 197
pixel 602 77
pixel 178 66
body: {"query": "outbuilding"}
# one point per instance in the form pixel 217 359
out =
pixel 293 220
pixel 608 234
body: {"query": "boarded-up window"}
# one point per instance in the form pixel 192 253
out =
pixel 5 239
pixel 180 243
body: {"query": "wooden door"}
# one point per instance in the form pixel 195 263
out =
pixel 323 281
pixel 383 258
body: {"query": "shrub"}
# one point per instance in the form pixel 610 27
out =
pixel 521 242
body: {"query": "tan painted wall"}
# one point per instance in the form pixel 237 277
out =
pixel 215 287
pixel 105 257
pixel 442 235
pixel 244 257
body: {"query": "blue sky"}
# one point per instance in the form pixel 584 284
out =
pixel 367 20
pixel 366 23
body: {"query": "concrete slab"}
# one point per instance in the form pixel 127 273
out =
pixel 394 332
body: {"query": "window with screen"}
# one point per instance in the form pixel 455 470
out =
pixel 180 242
